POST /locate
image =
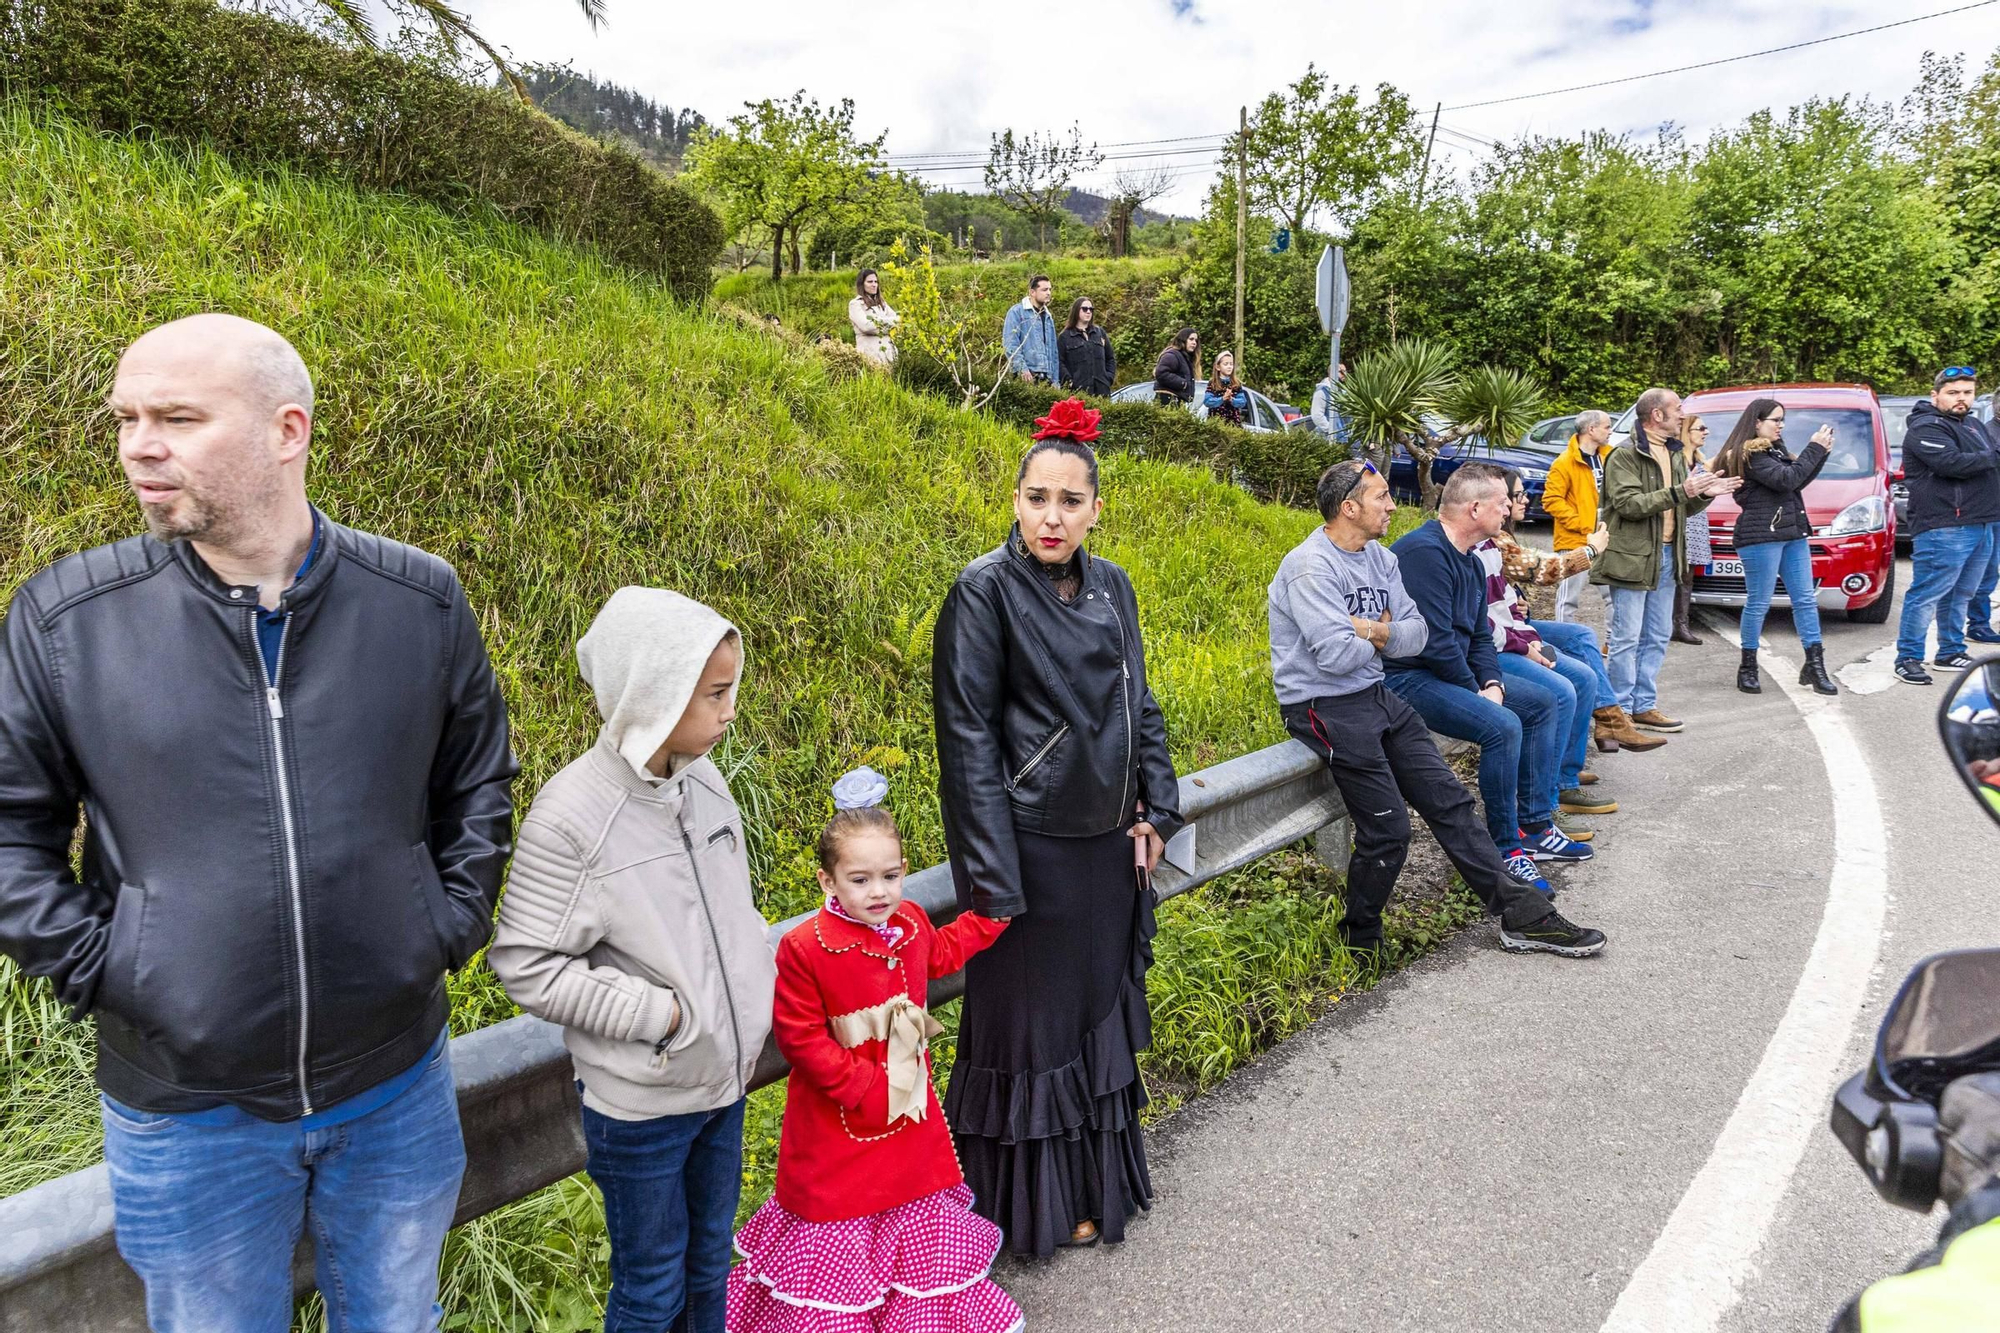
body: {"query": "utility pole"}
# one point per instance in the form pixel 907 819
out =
pixel 1424 177
pixel 1242 219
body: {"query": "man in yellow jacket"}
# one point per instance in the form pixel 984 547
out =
pixel 1570 497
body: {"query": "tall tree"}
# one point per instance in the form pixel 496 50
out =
pixel 1319 155
pixel 1131 190
pixel 1032 172
pixel 788 166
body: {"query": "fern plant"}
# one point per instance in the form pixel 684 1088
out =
pixel 1397 398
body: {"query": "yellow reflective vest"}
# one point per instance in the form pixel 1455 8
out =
pixel 1957 1294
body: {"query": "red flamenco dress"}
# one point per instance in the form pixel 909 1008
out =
pixel 871 1229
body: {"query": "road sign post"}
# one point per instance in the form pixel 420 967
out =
pixel 1333 295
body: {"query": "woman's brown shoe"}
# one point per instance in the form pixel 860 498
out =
pixel 1614 726
pixel 1084 1235
pixel 1585 778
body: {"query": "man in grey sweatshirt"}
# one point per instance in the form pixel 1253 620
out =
pixel 1337 608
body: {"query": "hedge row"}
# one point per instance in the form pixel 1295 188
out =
pixel 264 91
pixel 1280 467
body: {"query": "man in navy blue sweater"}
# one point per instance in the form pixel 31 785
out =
pixel 1455 684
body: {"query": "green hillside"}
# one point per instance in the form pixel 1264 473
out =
pixel 557 427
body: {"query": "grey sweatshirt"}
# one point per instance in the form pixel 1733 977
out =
pixel 1315 653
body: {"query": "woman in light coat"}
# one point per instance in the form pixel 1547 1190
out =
pixel 872 319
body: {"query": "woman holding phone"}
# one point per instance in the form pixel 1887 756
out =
pixel 1772 533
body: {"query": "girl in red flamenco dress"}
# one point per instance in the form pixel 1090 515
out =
pixel 871 1229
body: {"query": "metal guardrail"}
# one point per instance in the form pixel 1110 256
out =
pixel 517 1100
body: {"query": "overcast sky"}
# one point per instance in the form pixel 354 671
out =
pixel 940 77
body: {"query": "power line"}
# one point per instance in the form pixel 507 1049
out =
pixel 1726 60
pixel 951 159
pixel 981 153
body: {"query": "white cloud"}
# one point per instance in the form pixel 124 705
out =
pixel 941 77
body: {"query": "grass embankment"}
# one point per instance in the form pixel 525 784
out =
pixel 1133 299
pixel 557 428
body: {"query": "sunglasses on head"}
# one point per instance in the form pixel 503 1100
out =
pixel 1960 373
pixel 1367 470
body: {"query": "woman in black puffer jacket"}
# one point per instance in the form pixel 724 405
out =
pixel 1772 532
pixel 1178 370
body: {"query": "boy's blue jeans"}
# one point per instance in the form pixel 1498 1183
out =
pixel 208 1216
pixel 1518 744
pixel 1948 565
pixel 670 1188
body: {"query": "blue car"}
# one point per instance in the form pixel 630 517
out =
pixel 1531 458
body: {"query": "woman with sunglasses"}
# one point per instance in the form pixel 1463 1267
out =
pixel 1701 550
pixel 1771 533
pixel 1089 365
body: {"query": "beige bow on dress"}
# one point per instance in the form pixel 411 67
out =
pixel 907 1027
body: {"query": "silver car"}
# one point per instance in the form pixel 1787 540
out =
pixel 1264 415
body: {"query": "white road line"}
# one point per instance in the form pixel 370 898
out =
pixel 1696 1269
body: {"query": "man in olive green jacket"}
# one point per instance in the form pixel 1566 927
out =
pixel 1648 496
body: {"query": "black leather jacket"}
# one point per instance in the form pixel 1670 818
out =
pixel 274 881
pixel 1044 719
pixel 1772 499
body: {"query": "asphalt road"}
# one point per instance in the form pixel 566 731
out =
pixel 1490 1142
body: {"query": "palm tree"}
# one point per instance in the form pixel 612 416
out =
pixel 1395 397
pixel 451 25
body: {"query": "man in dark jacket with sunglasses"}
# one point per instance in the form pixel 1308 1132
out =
pixel 1953 472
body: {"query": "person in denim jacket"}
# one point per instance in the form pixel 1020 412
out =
pixel 1029 335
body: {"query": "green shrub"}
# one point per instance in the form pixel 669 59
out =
pixel 267 92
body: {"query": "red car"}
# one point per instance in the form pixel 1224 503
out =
pixel 1853 518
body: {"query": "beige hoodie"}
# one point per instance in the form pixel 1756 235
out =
pixel 628 918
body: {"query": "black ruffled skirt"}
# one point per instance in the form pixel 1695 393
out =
pixel 1045 1095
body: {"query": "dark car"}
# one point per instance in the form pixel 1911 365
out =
pixel 1895 421
pixel 1532 460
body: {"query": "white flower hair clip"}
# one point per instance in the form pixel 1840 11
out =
pixel 859 788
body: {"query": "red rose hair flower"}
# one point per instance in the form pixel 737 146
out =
pixel 1069 420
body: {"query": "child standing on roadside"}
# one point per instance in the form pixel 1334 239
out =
pixel 629 922
pixel 872 1224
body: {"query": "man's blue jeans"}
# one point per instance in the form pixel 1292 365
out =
pixel 1640 623
pixel 1518 742
pixel 1764 564
pixel 670 1187
pixel 1575 684
pixel 1979 612
pixel 208 1216
pixel 1580 642
pixel 1948 563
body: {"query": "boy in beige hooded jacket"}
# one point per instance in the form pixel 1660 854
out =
pixel 629 921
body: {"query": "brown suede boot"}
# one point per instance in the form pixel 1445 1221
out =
pixel 1613 725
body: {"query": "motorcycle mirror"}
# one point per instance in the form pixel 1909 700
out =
pixel 1943 1023
pixel 1970 723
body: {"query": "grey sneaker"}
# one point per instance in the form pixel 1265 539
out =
pixel 1553 934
